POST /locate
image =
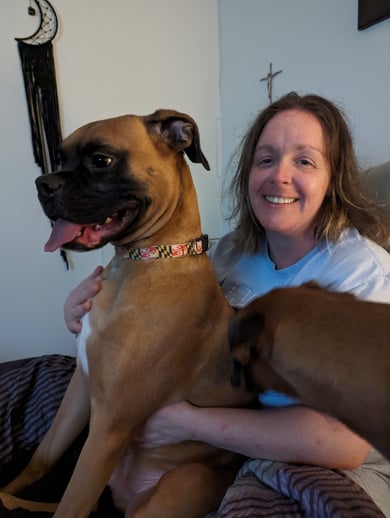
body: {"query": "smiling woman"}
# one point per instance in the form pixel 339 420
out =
pixel 302 215
pixel 288 182
pixel 324 149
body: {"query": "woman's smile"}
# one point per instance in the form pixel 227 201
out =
pixel 279 200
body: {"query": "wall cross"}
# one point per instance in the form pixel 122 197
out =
pixel 269 78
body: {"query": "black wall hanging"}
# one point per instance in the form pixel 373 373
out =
pixel 36 55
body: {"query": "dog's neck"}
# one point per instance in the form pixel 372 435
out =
pixel 197 246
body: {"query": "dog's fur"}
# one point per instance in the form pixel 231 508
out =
pixel 330 350
pixel 158 328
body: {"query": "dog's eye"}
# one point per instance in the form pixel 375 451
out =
pixel 99 161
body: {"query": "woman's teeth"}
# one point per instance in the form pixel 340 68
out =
pixel 279 199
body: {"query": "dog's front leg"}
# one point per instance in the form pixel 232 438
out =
pixel 70 420
pixel 106 443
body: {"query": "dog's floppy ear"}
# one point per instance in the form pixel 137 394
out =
pixel 180 131
pixel 243 334
pixel 244 329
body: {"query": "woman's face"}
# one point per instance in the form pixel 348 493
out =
pixel 290 174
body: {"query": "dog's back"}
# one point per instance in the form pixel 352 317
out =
pixel 329 349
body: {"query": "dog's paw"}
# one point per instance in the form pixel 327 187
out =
pixel 11 502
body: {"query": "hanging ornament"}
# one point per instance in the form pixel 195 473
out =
pixel 36 55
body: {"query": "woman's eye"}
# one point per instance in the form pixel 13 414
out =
pixel 264 161
pixel 101 161
pixel 305 162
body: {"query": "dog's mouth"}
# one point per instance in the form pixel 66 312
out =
pixel 66 234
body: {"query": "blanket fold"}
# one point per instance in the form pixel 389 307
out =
pixel 275 489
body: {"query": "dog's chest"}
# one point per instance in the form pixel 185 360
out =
pixel 81 343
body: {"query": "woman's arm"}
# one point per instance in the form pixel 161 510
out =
pixel 79 300
pixel 294 434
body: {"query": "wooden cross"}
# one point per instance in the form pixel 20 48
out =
pixel 269 78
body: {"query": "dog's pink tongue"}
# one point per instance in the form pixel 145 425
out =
pixel 62 232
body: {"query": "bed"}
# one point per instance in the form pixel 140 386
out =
pixel 30 393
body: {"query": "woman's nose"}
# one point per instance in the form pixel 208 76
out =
pixel 281 172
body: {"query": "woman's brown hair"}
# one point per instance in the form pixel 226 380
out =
pixel 347 204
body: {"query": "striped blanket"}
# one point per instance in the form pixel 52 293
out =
pixel 275 489
pixel 31 391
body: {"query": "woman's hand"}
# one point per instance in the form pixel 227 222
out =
pixel 169 425
pixel 79 302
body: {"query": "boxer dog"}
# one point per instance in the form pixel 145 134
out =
pixel 330 350
pixel 157 332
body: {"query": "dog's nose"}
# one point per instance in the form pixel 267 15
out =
pixel 48 184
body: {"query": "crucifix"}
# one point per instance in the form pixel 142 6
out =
pixel 269 78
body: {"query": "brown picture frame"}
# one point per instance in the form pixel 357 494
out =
pixel 371 12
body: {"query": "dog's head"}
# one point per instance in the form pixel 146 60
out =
pixel 112 172
pixel 251 342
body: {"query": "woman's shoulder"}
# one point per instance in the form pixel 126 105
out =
pixel 356 264
pixel 224 254
pixel 354 248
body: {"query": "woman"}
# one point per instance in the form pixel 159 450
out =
pixel 301 215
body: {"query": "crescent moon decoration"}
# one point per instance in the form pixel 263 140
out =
pixel 36 55
pixel 48 24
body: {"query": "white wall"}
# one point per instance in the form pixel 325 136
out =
pixel 317 45
pixel 124 56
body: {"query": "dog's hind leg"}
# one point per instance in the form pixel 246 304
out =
pixel 70 420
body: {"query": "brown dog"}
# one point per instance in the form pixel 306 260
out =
pixel 157 332
pixel 330 350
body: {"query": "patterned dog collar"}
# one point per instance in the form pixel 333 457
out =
pixel 197 246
